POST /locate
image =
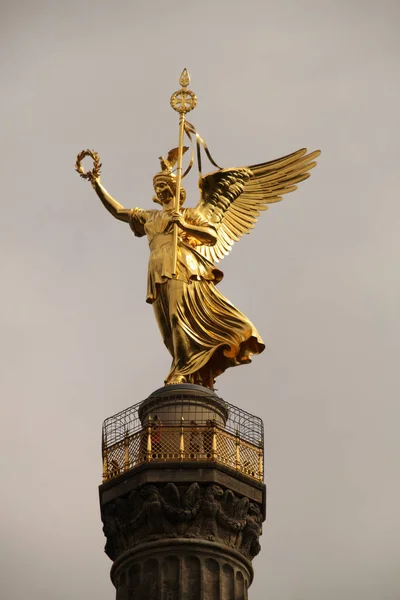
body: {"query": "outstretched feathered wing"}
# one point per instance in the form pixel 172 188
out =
pixel 231 199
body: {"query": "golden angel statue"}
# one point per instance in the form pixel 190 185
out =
pixel 204 333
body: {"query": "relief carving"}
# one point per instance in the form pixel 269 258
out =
pixel 202 512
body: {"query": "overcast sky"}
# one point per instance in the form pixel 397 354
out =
pixel 319 276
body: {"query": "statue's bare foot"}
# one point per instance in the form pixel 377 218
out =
pixel 176 379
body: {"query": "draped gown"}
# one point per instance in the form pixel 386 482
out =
pixel 204 333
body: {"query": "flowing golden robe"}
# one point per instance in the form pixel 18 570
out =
pixel 204 333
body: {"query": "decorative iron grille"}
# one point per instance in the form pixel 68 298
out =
pixel 238 443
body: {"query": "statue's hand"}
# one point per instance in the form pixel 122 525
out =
pixel 177 218
pixel 94 180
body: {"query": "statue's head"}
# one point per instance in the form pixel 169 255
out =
pixel 165 189
pixel 164 182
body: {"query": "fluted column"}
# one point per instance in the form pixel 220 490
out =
pixel 181 570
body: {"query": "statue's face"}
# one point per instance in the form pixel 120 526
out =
pixel 163 191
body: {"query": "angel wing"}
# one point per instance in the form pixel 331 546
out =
pixel 192 496
pixel 171 494
pixel 231 199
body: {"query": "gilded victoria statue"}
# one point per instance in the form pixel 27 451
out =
pixel 204 333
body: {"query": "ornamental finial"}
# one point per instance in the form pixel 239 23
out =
pixel 184 79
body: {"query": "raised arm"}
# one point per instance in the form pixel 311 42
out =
pixel 113 207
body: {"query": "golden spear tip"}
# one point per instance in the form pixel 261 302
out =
pixel 184 79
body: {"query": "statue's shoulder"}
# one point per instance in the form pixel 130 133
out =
pixel 192 215
pixel 138 219
pixel 143 213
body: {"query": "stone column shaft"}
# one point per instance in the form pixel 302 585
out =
pixel 181 569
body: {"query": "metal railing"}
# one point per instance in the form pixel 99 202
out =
pixel 237 441
pixel 173 443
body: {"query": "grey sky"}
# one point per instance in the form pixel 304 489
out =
pixel 318 277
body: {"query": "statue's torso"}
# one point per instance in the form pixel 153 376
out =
pixel 191 265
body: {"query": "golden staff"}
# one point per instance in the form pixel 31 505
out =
pixel 182 101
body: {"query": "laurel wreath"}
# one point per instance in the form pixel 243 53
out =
pixel 93 173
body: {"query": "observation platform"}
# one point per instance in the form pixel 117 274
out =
pixel 183 423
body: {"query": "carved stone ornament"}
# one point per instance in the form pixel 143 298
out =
pixel 169 511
